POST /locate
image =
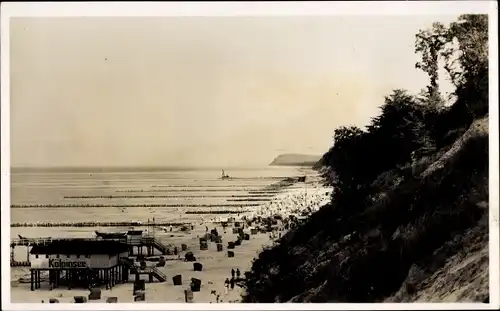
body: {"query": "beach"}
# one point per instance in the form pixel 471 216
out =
pixel 297 199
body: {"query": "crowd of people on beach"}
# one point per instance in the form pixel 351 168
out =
pixel 294 203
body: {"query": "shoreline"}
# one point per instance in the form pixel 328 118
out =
pixel 216 265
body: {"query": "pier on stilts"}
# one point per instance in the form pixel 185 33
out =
pixel 145 245
pixel 81 278
pixel 86 275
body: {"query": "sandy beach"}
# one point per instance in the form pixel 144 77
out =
pixel 216 264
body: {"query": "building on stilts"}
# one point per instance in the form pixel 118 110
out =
pixel 79 263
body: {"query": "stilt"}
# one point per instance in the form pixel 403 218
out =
pixel 38 282
pixel 69 278
pixel 32 280
pixel 58 278
pixel 108 277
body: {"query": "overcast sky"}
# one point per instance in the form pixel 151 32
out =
pixel 193 91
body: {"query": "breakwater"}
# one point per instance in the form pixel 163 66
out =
pixel 165 196
pixel 248 200
pixel 20 264
pixel 98 224
pixel 215 212
pixel 264 192
pixel 204 186
pixel 186 190
pixel 126 205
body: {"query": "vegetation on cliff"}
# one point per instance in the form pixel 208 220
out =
pixel 410 190
pixel 292 159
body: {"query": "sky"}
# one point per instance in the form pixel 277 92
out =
pixel 200 91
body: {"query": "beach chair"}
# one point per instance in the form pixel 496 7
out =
pixel 197 266
pixel 195 284
pixel 112 300
pixel 80 299
pixel 246 236
pixel 140 296
pixel 189 256
pixel 184 247
pixel 139 285
pixel 177 280
pixel 230 254
pixel 203 246
pixel 237 242
pixel 53 300
pixel 95 293
pixel 230 245
pixel 220 247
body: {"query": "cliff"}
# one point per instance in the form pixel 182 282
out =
pixel 434 249
pixel 290 159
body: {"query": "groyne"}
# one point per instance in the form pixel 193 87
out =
pixel 215 212
pixel 189 190
pixel 98 224
pixel 126 205
pixel 204 186
pixel 248 200
pixel 165 196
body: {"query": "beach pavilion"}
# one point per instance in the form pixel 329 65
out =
pixel 79 263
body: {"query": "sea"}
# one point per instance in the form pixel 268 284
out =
pixel 132 194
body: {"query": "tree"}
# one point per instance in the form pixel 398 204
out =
pixel 468 38
pixel 430 43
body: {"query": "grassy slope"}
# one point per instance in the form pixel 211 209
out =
pixel 420 226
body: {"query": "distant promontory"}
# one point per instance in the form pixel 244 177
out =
pixel 292 159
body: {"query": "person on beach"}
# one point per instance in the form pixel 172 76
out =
pixel 232 273
pixel 226 286
pixel 238 273
pixel 232 283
